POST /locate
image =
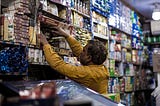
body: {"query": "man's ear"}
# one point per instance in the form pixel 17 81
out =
pixel 89 58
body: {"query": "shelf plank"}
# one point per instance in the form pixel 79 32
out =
pixel 126 48
pixel 133 48
pixel 156 43
pixel 38 63
pixel 12 43
pixel 52 16
pixel 100 36
pixel 59 2
pixel 98 22
pixel 50 21
pixel 103 13
pixel 85 15
pixel 119 30
pixel 14 74
pixel 76 26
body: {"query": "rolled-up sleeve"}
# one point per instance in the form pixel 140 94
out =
pixel 75 46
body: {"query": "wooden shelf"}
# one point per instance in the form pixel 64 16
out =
pixel 52 16
pixel 103 13
pixel 58 2
pixel 100 36
pixel 76 26
pixel 119 30
pixel 38 63
pixel 12 43
pixel 126 48
pixel 157 43
pixel 14 74
pixel 51 19
pixel 84 15
pixel 100 23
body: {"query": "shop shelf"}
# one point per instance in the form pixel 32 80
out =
pixel 84 15
pixel 13 75
pixel 76 26
pixel 139 38
pixel 118 60
pixel 128 91
pixel 34 46
pixel 141 90
pixel 100 36
pixel 129 75
pixel 12 43
pixel 66 4
pixel 38 63
pixel 117 41
pixel 117 29
pixel 137 63
pixel 156 43
pixel 50 21
pixel 46 15
pixel 116 76
pixel 105 14
pixel 128 48
pixel 133 48
pixel 98 22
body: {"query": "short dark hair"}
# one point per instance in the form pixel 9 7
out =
pixel 97 51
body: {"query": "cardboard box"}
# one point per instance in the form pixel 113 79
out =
pixel 32 36
pixel 36 55
pixel 1 27
pixel 40 56
pixel 8 27
pixel 156 62
pixel 31 55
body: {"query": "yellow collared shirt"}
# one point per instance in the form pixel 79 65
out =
pixel 94 77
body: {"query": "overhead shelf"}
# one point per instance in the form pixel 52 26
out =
pixel 50 21
pixel 76 26
pixel 52 16
pixel 12 43
pixel 60 2
pixel 128 48
pixel 112 27
pixel 38 63
pixel 85 15
pixel 103 13
pixel 157 43
pixel 14 74
pixel 18 44
pixel 6 2
pixel 100 36
pixel 98 22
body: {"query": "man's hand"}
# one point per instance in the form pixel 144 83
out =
pixel 42 39
pixel 63 30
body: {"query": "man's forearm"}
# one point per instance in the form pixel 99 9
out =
pixel 75 45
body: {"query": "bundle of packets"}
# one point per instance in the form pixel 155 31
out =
pixel 13 60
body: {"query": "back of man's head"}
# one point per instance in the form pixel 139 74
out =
pixel 97 51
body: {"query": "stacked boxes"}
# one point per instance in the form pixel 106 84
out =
pixel 113 85
pixel 7 27
pixel 120 16
pixel 21 28
pixel 35 56
pixel 15 22
pixel 129 84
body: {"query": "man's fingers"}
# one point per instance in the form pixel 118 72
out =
pixel 57 32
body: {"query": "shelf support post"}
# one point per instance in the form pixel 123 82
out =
pixel 158 79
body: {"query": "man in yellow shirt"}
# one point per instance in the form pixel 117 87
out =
pixel 92 73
